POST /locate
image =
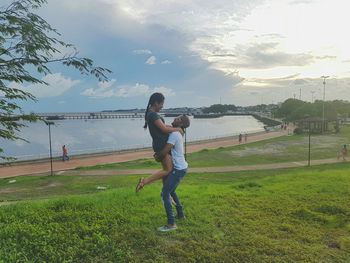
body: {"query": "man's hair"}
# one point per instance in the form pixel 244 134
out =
pixel 185 121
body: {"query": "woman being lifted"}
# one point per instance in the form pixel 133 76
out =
pixel 159 133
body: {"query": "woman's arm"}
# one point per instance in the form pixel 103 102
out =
pixel 166 129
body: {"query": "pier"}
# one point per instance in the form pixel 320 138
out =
pixel 90 115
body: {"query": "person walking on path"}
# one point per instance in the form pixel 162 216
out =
pixel 175 144
pixel 245 137
pixel 65 156
pixel 159 133
pixel 240 138
pixel 343 152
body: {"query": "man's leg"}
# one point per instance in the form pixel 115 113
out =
pixel 178 205
pixel 169 186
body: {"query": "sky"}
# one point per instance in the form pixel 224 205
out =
pixel 198 52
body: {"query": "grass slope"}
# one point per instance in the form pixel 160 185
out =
pixel 292 215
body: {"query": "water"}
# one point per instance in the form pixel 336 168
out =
pixel 91 136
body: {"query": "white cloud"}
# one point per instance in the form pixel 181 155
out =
pixel 142 52
pixel 151 60
pixel 104 85
pixel 107 90
pixel 132 91
pixel 165 91
pixel 164 62
pixel 57 85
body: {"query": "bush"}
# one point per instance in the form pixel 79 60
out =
pixel 298 131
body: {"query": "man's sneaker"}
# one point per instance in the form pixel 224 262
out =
pixel 167 228
pixel 180 217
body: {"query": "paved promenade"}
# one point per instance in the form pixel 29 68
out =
pixel 59 166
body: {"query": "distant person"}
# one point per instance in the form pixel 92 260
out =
pixel 240 138
pixel 343 152
pixel 159 133
pixel 245 137
pixel 65 156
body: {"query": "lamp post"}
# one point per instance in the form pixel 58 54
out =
pixel 324 96
pixel 307 118
pixel 309 155
pixel 49 123
pixel 312 96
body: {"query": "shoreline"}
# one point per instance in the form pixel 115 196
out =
pixel 43 166
pixel 103 153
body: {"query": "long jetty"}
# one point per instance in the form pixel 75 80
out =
pixel 90 115
pixel 140 115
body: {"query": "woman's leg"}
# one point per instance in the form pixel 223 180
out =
pixel 167 168
pixel 167 164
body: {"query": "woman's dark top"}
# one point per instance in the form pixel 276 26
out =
pixel 159 138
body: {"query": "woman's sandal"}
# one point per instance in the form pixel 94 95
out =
pixel 140 185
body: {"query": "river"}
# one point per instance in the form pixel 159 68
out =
pixel 92 136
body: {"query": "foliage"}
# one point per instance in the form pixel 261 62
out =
pixel 28 45
pixel 294 109
pixel 289 215
pixel 220 108
pixel 298 130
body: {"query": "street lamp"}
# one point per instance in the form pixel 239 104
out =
pixel 312 96
pixel 324 96
pixel 49 123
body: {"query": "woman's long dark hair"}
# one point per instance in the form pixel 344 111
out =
pixel 155 97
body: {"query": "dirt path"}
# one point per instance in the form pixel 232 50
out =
pixel 219 169
pixel 59 166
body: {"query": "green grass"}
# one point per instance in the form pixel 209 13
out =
pixel 290 215
pixel 282 149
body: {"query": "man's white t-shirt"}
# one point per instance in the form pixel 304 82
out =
pixel 177 152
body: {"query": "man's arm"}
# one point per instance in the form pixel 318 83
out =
pixel 167 148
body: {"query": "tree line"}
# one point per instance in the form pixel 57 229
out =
pixel 294 109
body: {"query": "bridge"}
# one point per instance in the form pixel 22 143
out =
pixel 91 115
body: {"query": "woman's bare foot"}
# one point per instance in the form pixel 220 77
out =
pixel 140 185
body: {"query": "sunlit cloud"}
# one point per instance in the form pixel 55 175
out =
pixel 108 90
pixel 58 84
pixel 142 52
pixel 151 60
pixel 164 62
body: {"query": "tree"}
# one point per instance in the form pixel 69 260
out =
pixel 219 108
pixel 28 46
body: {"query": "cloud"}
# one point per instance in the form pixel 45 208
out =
pixel 298 2
pixel 262 39
pixel 104 85
pixel 107 90
pixel 142 52
pixel 151 60
pixel 261 56
pixel 57 85
pixel 164 62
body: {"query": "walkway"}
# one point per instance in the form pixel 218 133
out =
pixel 40 167
pixel 219 169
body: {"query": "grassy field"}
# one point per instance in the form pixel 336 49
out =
pixel 282 149
pixel 291 215
pixel 288 215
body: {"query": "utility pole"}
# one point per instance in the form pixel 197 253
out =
pixel 312 96
pixel 324 97
pixel 49 123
